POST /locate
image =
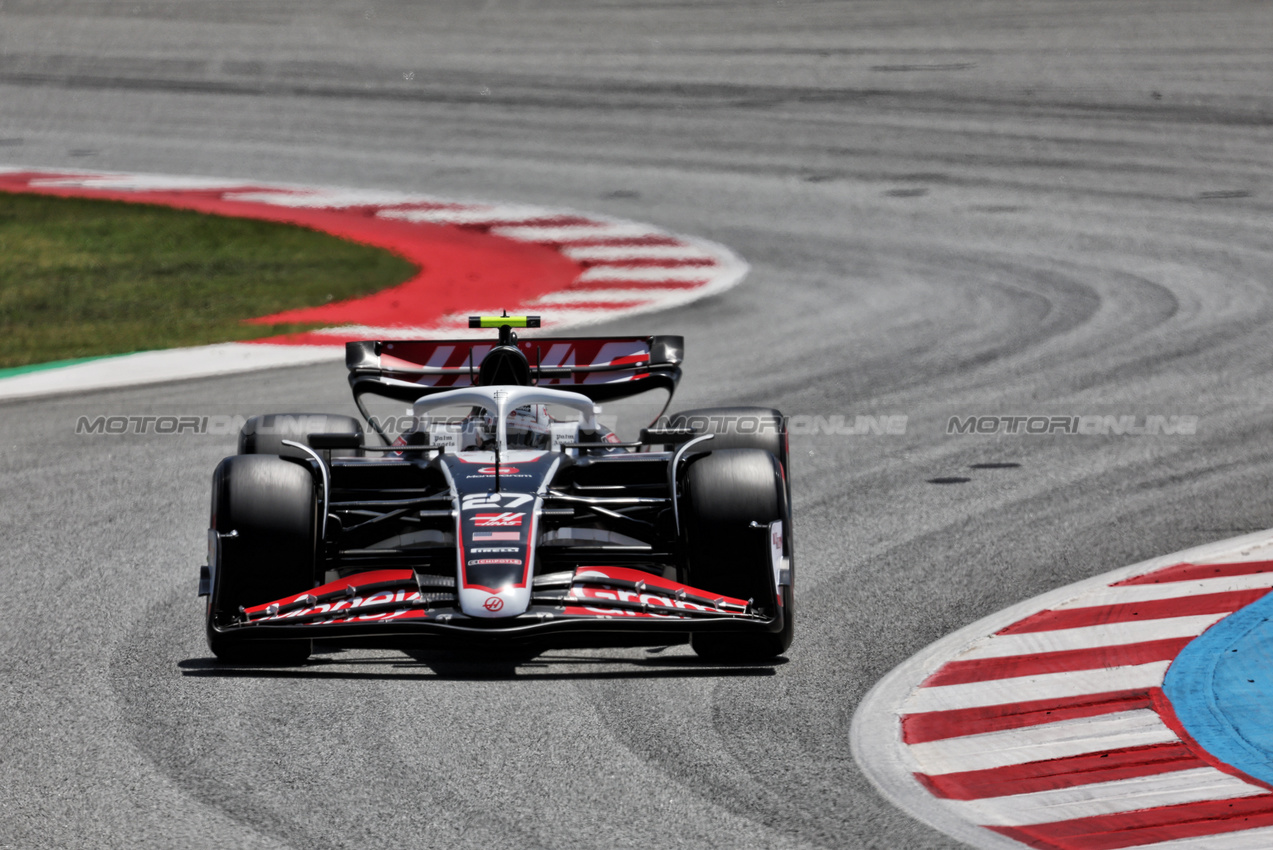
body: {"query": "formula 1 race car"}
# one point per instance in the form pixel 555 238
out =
pixel 506 524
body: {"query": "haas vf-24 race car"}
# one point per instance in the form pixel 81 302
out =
pixel 506 523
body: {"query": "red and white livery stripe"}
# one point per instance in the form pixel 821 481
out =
pixel 1045 725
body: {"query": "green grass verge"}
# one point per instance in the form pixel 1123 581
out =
pixel 85 278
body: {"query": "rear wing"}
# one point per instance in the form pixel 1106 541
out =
pixel 601 368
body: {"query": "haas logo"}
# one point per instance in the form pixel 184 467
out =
pixel 493 604
pixel 505 518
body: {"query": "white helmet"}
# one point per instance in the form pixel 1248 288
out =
pixel 528 427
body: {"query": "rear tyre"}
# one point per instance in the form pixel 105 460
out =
pixel 264 435
pixel 270 505
pixel 724 493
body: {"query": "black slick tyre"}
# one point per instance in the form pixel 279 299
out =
pixel 724 493
pixel 737 428
pixel 761 428
pixel 266 512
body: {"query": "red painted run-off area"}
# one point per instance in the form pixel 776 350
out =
pixel 460 267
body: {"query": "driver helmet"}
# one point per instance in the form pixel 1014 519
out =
pixel 529 427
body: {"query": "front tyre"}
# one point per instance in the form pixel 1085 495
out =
pixel 724 493
pixel 746 428
pixel 737 428
pixel 266 514
pixel 264 434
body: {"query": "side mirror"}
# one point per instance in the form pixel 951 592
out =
pixel 668 436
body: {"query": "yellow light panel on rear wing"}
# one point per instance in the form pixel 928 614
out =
pixel 500 321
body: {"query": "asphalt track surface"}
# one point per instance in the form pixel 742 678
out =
pixel 951 208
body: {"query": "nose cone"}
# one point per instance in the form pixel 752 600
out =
pixel 494 604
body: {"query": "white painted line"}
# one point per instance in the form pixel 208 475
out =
pixel 457 330
pixel 1249 839
pixel 655 274
pixel 1111 634
pixel 618 253
pixel 134 182
pixel 469 215
pixel 564 315
pixel 148 367
pixel 566 297
pixel 1106 798
pixel 1065 738
pixel 1254 551
pixel 330 198
pixel 576 233
pixel 1027 688
pixel 1167 590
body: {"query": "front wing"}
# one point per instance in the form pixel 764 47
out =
pixel 383 603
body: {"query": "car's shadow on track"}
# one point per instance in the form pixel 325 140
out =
pixel 336 663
